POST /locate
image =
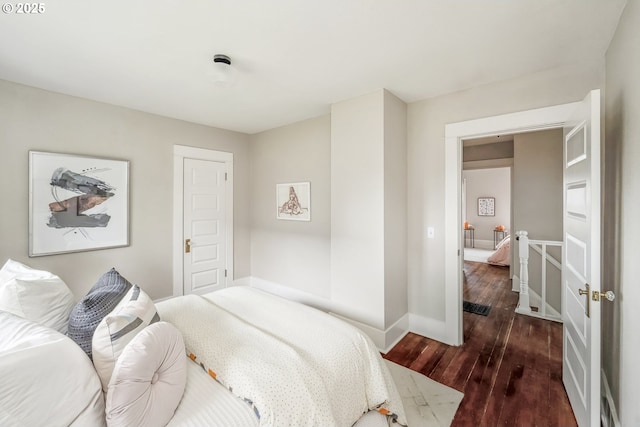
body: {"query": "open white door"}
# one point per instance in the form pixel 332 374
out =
pixel 205 263
pixel 581 261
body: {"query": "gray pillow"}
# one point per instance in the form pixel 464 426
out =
pixel 90 310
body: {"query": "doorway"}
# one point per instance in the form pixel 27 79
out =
pixel 455 133
pixel 581 211
pixel 202 220
pixel 525 196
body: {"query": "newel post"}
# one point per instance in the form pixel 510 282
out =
pixel 523 247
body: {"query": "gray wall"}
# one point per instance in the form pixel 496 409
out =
pixel 537 203
pixel 621 211
pixel 292 253
pixel 537 184
pixel 33 119
pixel 493 182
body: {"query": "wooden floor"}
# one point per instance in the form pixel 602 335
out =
pixel 510 366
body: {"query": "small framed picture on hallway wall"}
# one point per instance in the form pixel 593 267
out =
pixel 486 206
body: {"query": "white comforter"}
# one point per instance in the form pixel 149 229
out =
pixel 297 366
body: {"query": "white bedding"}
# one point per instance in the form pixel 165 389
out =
pixel 46 379
pixel 297 365
pixel 502 254
pixel 208 403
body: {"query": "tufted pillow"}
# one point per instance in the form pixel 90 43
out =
pixel 149 378
pixel 36 295
pixel 102 298
pixel 132 314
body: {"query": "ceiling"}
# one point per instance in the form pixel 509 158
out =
pixel 294 58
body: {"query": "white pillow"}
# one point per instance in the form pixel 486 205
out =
pixel 149 378
pixel 133 313
pixel 45 378
pixel 36 295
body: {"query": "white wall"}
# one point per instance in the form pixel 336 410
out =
pixel 292 253
pixel 621 210
pixel 357 207
pixel 34 119
pixel 395 209
pixel 368 208
pixel 488 183
pixel 426 158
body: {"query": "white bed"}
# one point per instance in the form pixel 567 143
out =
pixel 317 369
pixel 208 403
pixel 275 363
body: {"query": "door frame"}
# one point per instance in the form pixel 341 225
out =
pixel 180 152
pixel 512 123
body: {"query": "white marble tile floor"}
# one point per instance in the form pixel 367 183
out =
pixel 427 403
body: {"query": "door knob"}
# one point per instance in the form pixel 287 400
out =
pixel 187 246
pixel 609 295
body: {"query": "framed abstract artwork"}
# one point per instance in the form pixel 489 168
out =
pixel 293 201
pixel 77 203
pixel 486 206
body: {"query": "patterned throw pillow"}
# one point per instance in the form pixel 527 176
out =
pixel 134 312
pixel 102 298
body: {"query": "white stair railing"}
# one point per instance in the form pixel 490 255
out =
pixel 545 311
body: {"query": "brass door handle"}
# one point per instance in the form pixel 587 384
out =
pixel 187 246
pixel 586 292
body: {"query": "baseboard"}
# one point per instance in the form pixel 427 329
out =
pixel 396 332
pixel 515 283
pixel 608 412
pixel 484 244
pixel 383 339
pixel 243 281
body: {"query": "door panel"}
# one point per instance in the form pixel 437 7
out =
pixel 581 261
pixel 204 226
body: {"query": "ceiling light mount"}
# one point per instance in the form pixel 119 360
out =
pixel 224 74
pixel 224 59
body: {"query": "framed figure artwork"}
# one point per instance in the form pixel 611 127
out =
pixel 293 201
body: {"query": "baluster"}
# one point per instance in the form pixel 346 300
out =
pixel 523 246
pixel 543 303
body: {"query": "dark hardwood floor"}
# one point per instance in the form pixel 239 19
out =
pixel 510 366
